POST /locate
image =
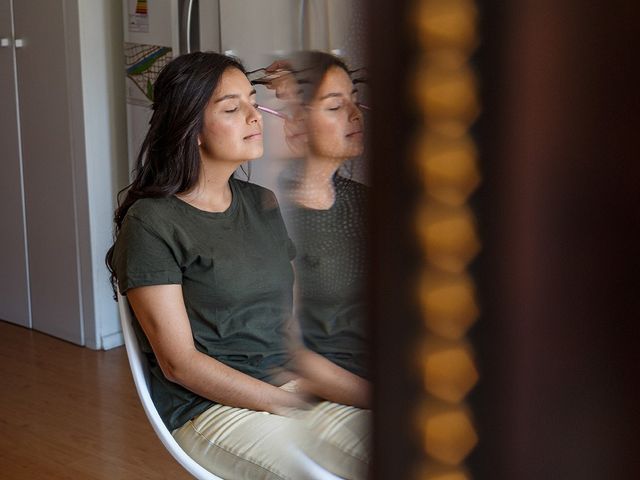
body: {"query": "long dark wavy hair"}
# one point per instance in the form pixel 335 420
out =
pixel 169 159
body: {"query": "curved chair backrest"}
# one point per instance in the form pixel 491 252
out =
pixel 140 372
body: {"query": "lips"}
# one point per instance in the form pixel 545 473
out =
pixel 357 132
pixel 253 136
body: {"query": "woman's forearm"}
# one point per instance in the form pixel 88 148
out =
pixel 161 312
pixel 329 381
pixel 220 383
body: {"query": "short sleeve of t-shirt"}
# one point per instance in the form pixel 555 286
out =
pixel 142 257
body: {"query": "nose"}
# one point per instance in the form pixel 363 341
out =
pixel 355 114
pixel 253 115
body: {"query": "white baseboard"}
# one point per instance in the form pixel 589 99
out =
pixel 112 341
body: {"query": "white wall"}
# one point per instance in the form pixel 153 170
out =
pixel 103 92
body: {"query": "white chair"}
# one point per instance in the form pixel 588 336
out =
pixel 140 372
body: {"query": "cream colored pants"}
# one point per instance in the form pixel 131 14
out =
pixel 236 443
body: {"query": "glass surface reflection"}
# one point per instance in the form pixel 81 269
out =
pixel 324 208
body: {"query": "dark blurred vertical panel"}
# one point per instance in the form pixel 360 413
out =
pixel 395 317
pixel 559 208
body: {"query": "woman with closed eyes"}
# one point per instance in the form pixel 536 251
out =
pixel 326 213
pixel 204 260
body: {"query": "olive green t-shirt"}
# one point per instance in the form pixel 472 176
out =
pixel 236 277
pixel 331 268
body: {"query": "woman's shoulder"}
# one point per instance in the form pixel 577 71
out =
pixel 259 196
pixel 151 210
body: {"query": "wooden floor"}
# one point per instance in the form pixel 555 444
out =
pixel 68 412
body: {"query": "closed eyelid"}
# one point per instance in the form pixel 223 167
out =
pixel 228 104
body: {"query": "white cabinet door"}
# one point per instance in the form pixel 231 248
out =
pixel 14 284
pixel 44 69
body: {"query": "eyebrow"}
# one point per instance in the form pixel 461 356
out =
pixel 233 95
pixel 336 94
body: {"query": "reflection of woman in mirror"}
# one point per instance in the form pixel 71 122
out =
pixel 204 260
pixel 326 214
